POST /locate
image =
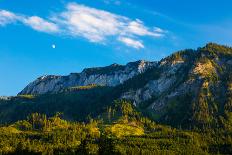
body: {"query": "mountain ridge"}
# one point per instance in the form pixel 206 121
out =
pixel 111 75
pixel 187 88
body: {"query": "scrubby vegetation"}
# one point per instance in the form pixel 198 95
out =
pixel 91 86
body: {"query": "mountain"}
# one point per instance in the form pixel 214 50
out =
pixel 106 76
pixel 190 88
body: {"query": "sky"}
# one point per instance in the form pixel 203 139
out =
pixel 58 37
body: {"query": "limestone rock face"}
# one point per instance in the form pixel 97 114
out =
pixel 112 75
pixel 157 86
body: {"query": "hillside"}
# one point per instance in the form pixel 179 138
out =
pixel 127 108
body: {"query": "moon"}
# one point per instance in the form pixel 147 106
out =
pixel 53 46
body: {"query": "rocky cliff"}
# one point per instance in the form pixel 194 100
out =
pixel 105 76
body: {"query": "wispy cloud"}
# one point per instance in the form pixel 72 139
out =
pixel 7 17
pixel 137 27
pixel 95 25
pixel 40 24
pixel 35 22
pixel 92 24
pixel 131 42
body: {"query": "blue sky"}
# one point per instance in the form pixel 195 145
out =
pixel 61 36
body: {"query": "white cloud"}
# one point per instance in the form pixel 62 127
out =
pixel 34 22
pixel 40 24
pixel 97 25
pixel 159 30
pixel 131 42
pixel 137 28
pixel 92 24
pixel 7 17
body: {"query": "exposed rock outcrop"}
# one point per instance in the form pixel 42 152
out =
pixel 106 76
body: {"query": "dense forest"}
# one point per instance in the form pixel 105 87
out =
pixel 123 130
